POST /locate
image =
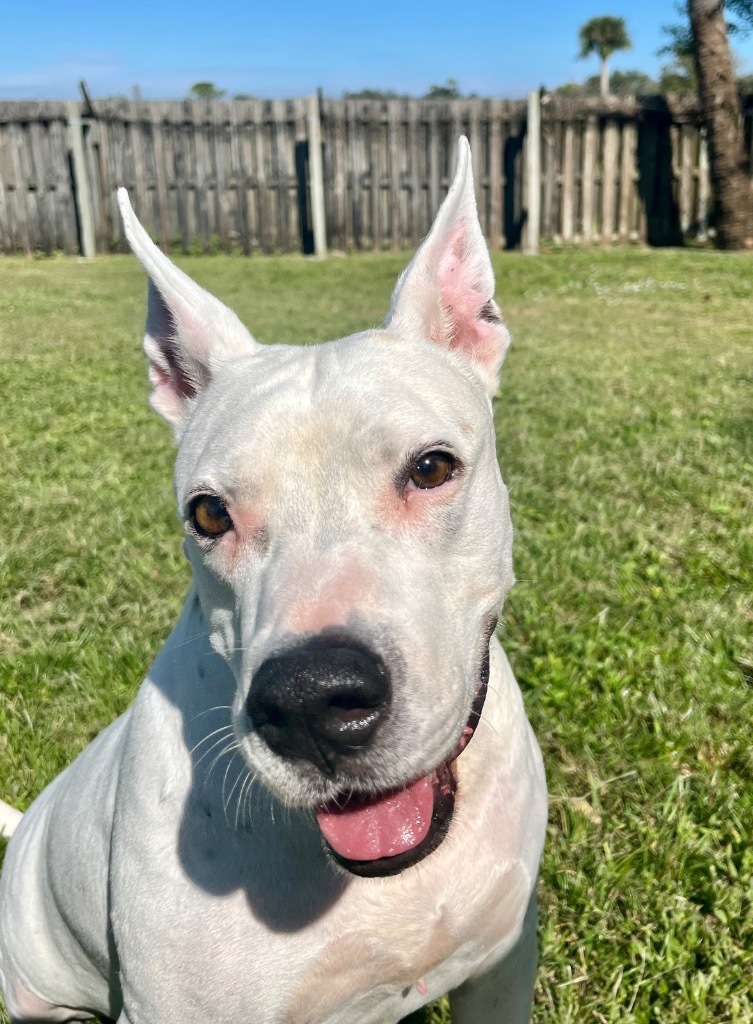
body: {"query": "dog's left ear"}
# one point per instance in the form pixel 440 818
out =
pixel 446 293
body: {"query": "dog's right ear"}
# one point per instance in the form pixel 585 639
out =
pixel 189 333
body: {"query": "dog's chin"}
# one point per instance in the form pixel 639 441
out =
pixel 379 835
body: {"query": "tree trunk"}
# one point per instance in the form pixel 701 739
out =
pixel 604 79
pixel 721 111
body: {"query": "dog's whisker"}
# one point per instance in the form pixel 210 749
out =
pixel 493 728
pixel 515 482
pixel 242 790
pixel 226 750
pixel 216 760
pixel 240 805
pixel 243 797
pixel 223 732
pixel 344 797
pixel 187 641
pixel 224 777
pixel 261 796
pixel 208 711
pixel 249 798
pixel 218 743
pixel 215 732
pixel 493 689
pixel 224 783
pixel 239 776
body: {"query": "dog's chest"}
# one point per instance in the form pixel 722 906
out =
pixel 372 952
pixel 347 983
pixel 391 951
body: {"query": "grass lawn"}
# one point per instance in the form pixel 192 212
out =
pixel 626 438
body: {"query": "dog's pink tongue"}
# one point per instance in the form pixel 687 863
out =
pixel 367 829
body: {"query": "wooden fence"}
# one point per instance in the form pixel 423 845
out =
pixel 235 175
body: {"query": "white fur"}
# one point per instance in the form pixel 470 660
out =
pixel 178 838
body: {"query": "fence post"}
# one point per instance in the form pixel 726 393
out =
pixel 533 172
pixel 81 192
pixel 703 187
pixel 316 178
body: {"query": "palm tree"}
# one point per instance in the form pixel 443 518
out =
pixel 603 36
pixel 717 91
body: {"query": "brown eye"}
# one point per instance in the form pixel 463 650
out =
pixel 209 516
pixel 432 470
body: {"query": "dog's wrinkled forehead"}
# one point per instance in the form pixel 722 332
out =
pixel 367 398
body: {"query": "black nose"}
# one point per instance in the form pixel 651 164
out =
pixel 321 701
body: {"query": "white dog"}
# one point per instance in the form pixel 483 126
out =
pixel 326 805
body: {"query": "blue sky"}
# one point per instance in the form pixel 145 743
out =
pixel 289 48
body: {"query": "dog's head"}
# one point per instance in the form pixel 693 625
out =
pixel 348 530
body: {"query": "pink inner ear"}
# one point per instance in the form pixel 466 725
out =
pixel 158 377
pixel 469 319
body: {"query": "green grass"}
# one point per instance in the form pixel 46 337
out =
pixel 626 437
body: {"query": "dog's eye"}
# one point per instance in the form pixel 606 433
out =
pixel 209 516
pixel 432 470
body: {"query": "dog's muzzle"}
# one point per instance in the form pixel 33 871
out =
pixel 324 702
pixel 321 702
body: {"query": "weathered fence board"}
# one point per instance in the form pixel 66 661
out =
pixel 236 175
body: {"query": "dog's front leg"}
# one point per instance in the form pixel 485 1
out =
pixel 504 995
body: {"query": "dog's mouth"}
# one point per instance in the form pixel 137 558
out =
pixel 375 836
